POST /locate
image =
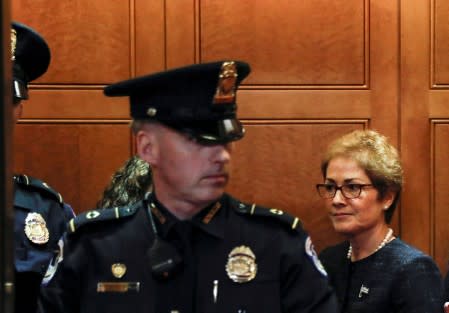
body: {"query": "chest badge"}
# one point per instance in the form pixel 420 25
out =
pixel 118 270
pixel 241 266
pixel 36 228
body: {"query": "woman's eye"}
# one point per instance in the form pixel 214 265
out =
pixel 353 187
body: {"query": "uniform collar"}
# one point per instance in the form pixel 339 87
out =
pixel 211 219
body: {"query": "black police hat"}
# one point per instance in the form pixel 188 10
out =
pixel 198 99
pixel 30 55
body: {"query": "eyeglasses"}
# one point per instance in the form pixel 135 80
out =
pixel 349 191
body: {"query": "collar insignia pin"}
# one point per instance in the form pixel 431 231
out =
pixel 36 228
pixel 241 266
pixel 118 270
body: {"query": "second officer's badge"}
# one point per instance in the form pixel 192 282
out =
pixel 36 228
pixel 241 266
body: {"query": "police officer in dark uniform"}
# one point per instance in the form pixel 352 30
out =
pixel 40 215
pixel 188 246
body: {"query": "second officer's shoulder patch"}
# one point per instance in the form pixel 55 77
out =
pixel 287 219
pixel 99 216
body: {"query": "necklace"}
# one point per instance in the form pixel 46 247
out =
pixel 387 239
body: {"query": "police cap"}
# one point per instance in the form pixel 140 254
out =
pixel 199 100
pixel 30 55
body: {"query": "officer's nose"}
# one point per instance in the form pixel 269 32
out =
pixel 222 153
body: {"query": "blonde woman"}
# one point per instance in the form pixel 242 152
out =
pixel 373 271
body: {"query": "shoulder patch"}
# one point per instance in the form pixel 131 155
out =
pixel 34 183
pixel 101 215
pixel 287 219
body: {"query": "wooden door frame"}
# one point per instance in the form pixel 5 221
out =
pixel 6 210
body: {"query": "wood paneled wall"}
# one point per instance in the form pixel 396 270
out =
pixel 319 69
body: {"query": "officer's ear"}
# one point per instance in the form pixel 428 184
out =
pixel 147 147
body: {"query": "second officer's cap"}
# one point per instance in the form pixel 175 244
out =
pixel 30 55
pixel 199 99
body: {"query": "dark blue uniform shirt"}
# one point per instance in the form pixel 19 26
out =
pixel 40 219
pixel 235 258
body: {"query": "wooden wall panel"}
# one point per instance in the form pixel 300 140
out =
pixel 415 130
pixel 80 34
pixel 438 114
pixel 318 43
pixel 439 188
pixel 75 159
pixel 440 51
pixel 424 132
pixel 149 33
pixel 74 104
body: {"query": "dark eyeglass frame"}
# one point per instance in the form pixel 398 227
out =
pixel 347 190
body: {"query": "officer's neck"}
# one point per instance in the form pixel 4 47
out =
pixel 182 209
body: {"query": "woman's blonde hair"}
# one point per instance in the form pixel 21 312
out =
pixel 376 156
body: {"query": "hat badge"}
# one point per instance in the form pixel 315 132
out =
pixel 241 266
pixel 118 270
pixel 36 228
pixel 225 92
pixel 151 112
pixel 13 44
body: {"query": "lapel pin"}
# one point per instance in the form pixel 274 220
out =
pixel 118 270
pixel 363 291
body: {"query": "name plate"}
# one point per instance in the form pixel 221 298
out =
pixel 118 286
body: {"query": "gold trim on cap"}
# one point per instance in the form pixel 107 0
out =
pixel 13 44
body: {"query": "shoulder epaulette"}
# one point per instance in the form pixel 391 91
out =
pixel 100 215
pixel 39 185
pixel 254 210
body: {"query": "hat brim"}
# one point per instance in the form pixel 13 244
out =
pixel 20 90
pixel 210 132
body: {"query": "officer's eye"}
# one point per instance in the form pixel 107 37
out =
pixel 191 138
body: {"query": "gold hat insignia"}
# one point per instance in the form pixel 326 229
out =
pixel 36 228
pixel 118 270
pixel 241 266
pixel 13 44
pixel 225 92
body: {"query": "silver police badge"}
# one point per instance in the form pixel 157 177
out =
pixel 241 266
pixel 36 228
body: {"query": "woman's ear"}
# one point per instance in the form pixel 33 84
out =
pixel 388 199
